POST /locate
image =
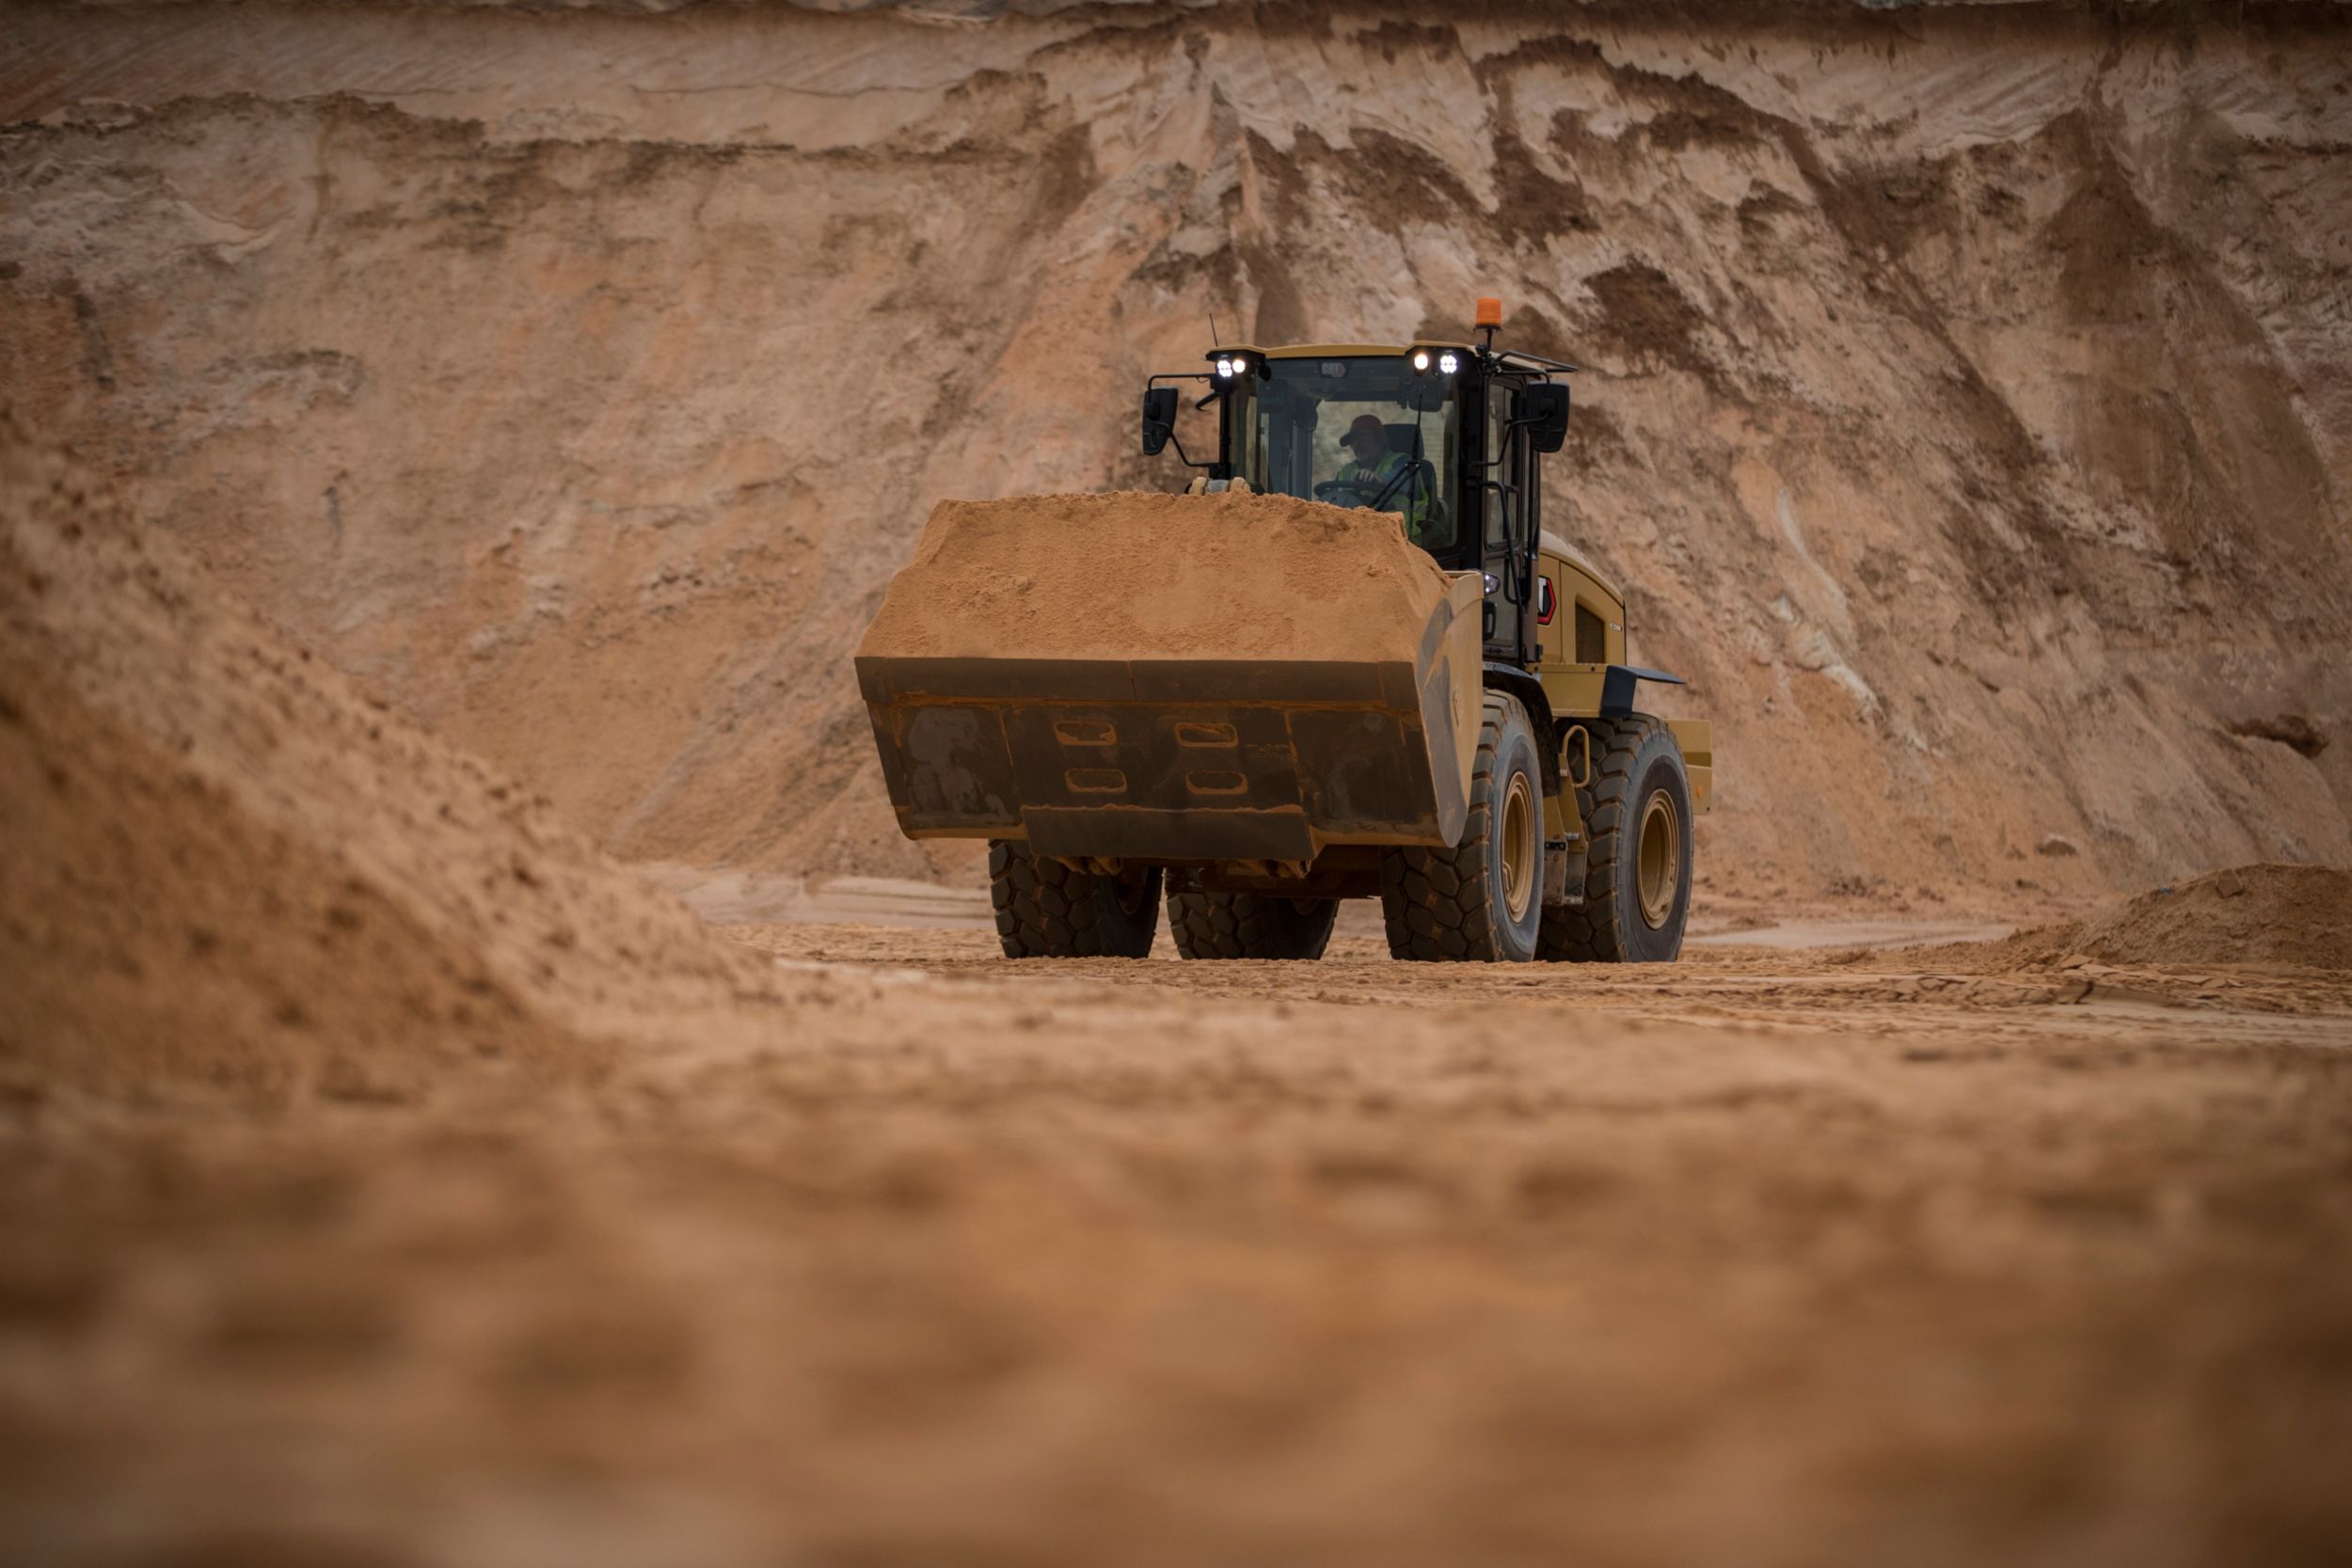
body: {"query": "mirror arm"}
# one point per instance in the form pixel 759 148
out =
pixel 1180 456
pixel 1153 381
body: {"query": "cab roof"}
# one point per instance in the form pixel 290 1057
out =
pixel 1345 351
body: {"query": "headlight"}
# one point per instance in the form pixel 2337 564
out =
pixel 1225 369
pixel 1449 364
pixel 1421 360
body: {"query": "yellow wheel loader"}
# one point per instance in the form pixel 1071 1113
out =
pixel 1349 661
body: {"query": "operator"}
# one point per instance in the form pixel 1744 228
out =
pixel 1376 469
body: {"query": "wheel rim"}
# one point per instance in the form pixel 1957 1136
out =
pixel 1659 859
pixel 1518 846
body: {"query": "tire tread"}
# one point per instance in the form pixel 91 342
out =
pixel 1593 931
pixel 1044 909
pixel 1435 902
pixel 1248 925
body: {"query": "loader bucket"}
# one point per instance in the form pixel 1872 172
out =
pixel 1175 678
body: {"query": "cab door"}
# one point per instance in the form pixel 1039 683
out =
pixel 1506 536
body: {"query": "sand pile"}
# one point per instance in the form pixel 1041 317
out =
pixel 226 865
pixel 2249 915
pixel 2253 915
pixel 1143 575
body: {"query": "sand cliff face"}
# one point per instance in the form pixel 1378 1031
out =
pixel 1967 401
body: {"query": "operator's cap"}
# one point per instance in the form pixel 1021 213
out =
pixel 1367 423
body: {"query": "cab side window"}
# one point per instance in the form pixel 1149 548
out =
pixel 1497 418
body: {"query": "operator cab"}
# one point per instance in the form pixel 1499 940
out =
pixel 1444 435
pixel 1352 430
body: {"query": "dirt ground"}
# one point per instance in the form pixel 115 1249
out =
pixel 1772 1257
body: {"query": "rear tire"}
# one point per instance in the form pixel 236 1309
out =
pixel 1046 910
pixel 1637 864
pixel 1250 924
pixel 1483 899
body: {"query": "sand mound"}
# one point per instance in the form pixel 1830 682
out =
pixel 153 930
pixel 2299 915
pixel 2254 915
pixel 226 865
pixel 1142 575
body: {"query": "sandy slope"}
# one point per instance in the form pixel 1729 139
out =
pixel 231 869
pixel 1966 401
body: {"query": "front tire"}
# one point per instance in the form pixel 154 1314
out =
pixel 1046 910
pixel 1637 863
pixel 1483 899
pixel 1250 924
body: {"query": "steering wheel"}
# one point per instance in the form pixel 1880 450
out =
pixel 1363 492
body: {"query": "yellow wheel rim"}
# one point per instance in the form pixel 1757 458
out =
pixel 1519 849
pixel 1659 859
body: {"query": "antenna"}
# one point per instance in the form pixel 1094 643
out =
pixel 1213 339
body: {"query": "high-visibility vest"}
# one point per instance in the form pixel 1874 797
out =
pixel 1413 495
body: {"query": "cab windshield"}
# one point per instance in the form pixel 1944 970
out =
pixel 1354 432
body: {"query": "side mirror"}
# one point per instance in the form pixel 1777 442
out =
pixel 1543 410
pixel 1159 419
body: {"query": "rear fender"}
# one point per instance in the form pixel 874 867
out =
pixel 1530 691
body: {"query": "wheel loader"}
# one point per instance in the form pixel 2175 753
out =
pixel 1348 661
